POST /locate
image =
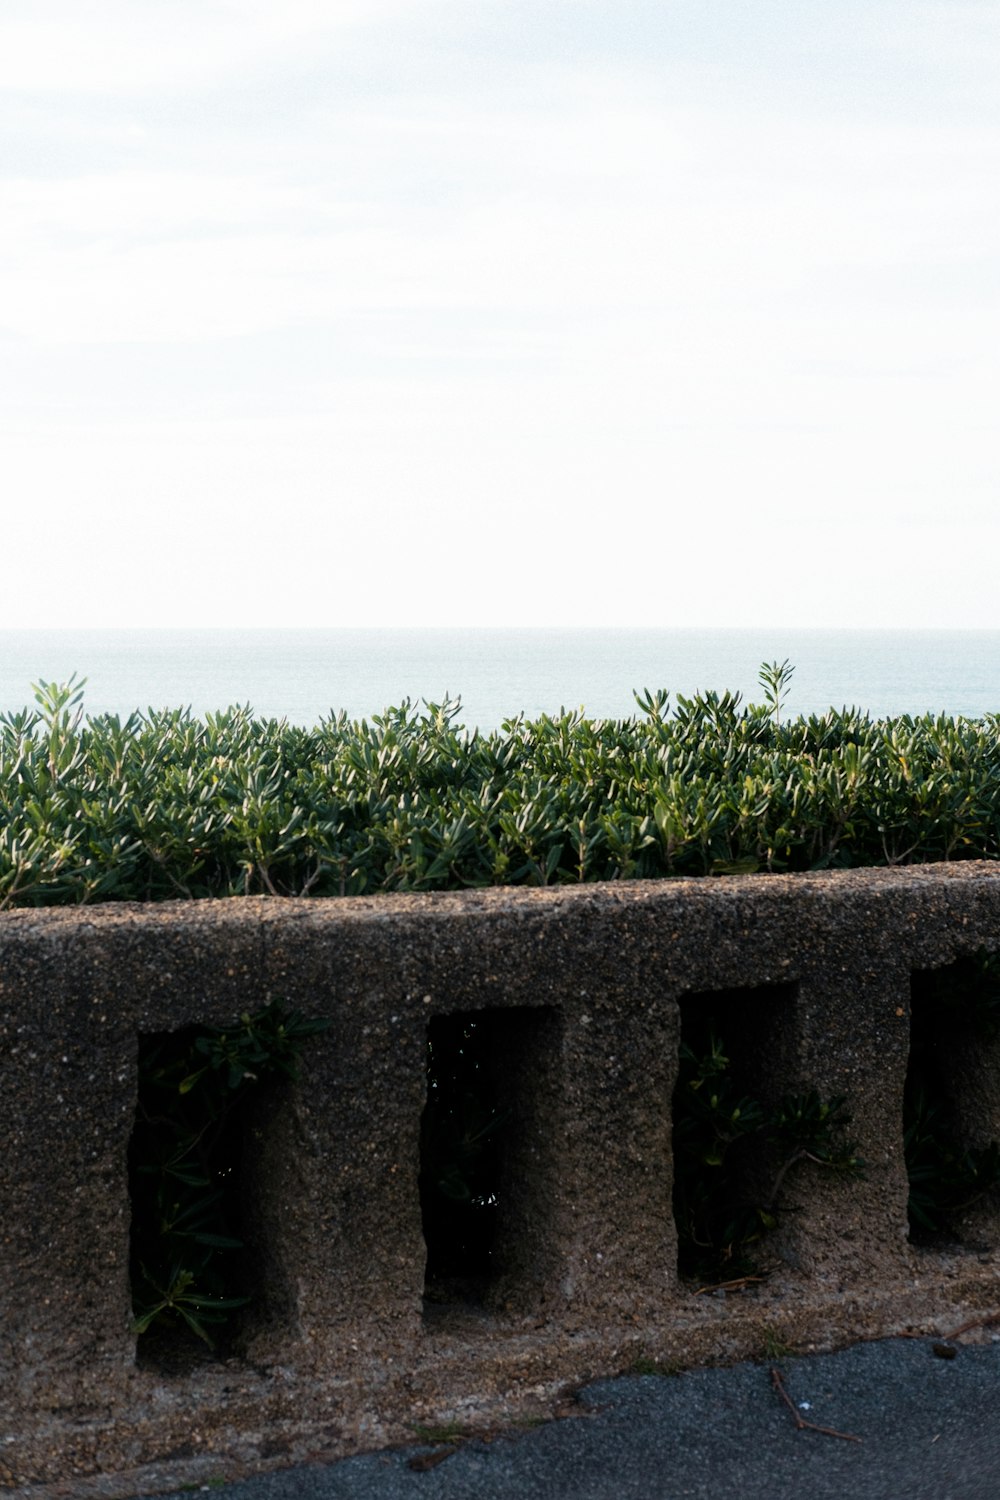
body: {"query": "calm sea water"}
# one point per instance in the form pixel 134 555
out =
pixel 303 675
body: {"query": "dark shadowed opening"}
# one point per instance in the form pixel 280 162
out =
pixel 737 1051
pixel 484 1148
pixel 950 1105
pixel 461 1146
pixel 187 1262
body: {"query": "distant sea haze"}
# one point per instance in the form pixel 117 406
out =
pixel 305 675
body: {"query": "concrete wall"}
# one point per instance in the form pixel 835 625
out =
pixel 584 987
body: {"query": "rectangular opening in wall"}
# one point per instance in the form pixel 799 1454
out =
pixel 202 1091
pixel 736 1066
pixel 951 1103
pixel 186 1265
pixel 484 1149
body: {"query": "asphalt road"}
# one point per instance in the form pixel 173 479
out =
pixel 929 1429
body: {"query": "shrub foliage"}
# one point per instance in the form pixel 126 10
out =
pixel 165 804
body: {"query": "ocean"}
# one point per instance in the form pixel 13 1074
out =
pixel 304 675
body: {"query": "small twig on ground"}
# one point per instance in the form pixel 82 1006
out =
pixel 730 1286
pixel 800 1420
pixel 985 1320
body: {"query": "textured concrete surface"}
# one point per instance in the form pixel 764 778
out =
pixel 339 1352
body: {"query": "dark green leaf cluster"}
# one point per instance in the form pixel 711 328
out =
pixel 166 805
pixel 723 1142
pixel 184 1164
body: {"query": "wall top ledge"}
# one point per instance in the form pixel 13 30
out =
pixel 962 879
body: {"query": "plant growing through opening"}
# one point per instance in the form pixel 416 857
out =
pixel 184 1161
pixel 720 1218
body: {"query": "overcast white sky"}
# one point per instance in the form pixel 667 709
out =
pixel 644 312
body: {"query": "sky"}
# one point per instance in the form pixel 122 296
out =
pixel 499 312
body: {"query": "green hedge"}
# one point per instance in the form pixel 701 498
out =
pixel 166 804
